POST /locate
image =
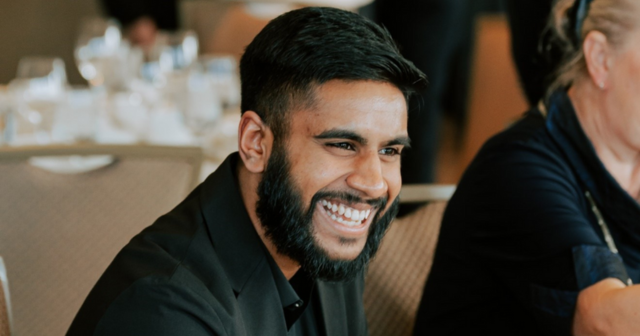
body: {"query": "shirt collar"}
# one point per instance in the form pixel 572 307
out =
pixel 565 129
pixel 288 295
pixel 295 294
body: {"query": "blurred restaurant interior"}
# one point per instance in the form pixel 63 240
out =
pixel 71 78
pixel 42 36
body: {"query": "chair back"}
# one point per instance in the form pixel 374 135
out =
pixel 396 276
pixel 61 230
pixel 5 302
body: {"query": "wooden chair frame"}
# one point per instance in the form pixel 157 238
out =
pixel 417 193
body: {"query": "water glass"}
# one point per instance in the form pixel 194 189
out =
pixel 96 48
pixel 223 72
pixel 172 53
pixel 37 94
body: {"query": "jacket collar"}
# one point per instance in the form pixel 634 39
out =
pixel 234 238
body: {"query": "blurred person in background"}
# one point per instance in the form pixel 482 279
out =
pixel 277 239
pixel 141 19
pixel 542 235
pixel 436 36
pixel 535 63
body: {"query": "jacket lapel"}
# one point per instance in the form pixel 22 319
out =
pixel 333 309
pixel 260 304
pixel 241 253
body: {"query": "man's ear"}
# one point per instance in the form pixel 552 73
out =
pixel 255 141
pixel 598 56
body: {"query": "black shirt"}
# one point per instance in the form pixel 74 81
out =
pixel 202 270
pixel 298 302
pixel 519 238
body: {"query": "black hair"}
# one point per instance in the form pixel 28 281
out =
pixel 310 46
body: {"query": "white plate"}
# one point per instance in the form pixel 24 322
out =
pixel 71 164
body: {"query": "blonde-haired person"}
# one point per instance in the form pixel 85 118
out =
pixel 543 234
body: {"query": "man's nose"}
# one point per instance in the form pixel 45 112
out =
pixel 367 176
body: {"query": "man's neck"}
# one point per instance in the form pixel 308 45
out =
pixel 621 160
pixel 248 186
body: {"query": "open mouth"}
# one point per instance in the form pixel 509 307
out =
pixel 345 214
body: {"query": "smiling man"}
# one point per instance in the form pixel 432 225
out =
pixel 276 240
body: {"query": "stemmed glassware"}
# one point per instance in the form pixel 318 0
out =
pixel 97 46
pixel 172 68
pixel 223 72
pixel 171 56
pixel 39 91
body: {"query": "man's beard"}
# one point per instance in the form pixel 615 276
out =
pixel 288 224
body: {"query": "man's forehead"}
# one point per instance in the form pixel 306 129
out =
pixel 345 88
pixel 351 95
pixel 341 91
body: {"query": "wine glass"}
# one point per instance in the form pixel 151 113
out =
pixel 98 45
pixel 38 92
pixel 170 58
pixel 170 68
pixel 223 72
pixel 178 50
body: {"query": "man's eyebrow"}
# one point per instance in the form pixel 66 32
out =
pixel 337 133
pixel 403 140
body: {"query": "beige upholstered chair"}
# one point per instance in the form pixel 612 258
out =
pixel 5 302
pixel 396 276
pixel 59 231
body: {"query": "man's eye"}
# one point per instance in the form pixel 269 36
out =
pixel 342 145
pixel 390 151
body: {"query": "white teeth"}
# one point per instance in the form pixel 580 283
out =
pixel 337 211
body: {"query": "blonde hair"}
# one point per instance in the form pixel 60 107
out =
pixel 613 18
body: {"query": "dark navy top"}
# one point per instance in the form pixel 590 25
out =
pixel 520 239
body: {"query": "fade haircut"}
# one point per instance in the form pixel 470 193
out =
pixel 304 48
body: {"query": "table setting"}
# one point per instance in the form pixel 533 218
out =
pixel 166 95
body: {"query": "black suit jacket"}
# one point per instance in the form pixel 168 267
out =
pixel 202 269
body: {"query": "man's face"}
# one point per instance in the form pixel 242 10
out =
pixel 330 190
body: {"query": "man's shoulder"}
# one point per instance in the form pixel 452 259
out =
pixel 152 285
pixel 172 263
pixel 169 305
